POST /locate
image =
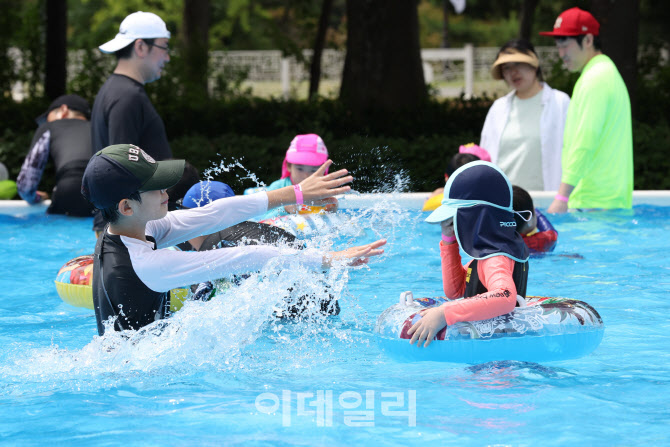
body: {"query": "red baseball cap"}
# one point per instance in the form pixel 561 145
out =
pixel 574 22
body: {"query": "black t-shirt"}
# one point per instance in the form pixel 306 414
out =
pixel 68 143
pixel 123 113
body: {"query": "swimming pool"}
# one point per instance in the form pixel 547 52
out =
pixel 230 373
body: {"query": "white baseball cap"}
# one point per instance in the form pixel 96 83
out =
pixel 138 25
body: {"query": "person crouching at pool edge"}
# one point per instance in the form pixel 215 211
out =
pixel 133 271
pixel 303 157
pixel 476 216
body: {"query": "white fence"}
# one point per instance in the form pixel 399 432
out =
pixel 456 66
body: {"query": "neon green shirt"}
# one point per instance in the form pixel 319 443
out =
pixel 597 154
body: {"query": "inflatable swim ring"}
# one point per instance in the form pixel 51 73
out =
pixel 545 236
pixel 73 284
pixel 545 329
pixel 308 224
pixel 432 203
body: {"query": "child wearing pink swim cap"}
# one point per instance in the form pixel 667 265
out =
pixel 303 158
pixel 466 153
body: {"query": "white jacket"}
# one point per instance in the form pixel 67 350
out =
pixel 552 122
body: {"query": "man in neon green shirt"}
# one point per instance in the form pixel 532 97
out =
pixel 597 157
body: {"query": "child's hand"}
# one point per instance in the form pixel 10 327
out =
pixel 317 186
pixel 292 209
pixel 432 321
pixel 448 227
pixel 354 255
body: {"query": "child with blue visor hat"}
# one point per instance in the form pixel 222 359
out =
pixel 476 216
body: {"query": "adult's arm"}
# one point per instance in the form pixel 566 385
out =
pixel 33 167
pixel 495 121
pixel 561 206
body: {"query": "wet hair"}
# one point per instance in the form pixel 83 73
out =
pixel 112 214
pixel 459 160
pixel 127 51
pixel 521 201
pixel 522 46
pixel 176 193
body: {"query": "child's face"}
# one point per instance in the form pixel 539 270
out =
pixel 154 205
pixel 300 172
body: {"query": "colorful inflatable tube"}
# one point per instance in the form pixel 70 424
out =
pixel 73 284
pixel 545 329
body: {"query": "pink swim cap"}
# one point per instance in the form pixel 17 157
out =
pixel 307 150
pixel 472 148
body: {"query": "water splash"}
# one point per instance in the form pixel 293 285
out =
pixel 238 330
pixel 225 167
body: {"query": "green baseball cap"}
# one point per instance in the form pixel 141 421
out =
pixel 118 171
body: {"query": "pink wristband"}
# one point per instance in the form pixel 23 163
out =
pixel 298 194
pixel 561 198
pixel 448 239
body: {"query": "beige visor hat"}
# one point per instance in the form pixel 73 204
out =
pixel 512 55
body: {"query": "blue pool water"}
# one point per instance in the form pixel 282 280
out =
pixel 228 373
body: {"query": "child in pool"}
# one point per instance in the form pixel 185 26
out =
pixel 538 233
pixel 476 216
pixel 244 233
pixel 133 270
pixel 466 153
pixel 303 157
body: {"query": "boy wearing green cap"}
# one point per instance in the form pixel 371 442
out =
pixel 132 270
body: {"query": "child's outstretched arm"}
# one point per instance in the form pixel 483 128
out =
pixel 317 189
pixel 354 256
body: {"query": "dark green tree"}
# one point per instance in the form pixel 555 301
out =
pixel 619 27
pixel 382 68
pixel 526 16
pixel 55 73
pixel 319 41
pixel 195 46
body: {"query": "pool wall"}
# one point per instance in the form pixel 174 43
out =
pixel 410 200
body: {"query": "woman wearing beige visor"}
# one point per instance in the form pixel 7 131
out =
pixel 523 130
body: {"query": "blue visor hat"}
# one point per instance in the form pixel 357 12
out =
pixel 478 196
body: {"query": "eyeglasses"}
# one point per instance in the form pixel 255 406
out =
pixel 166 48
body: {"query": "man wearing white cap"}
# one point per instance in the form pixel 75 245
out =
pixel 122 112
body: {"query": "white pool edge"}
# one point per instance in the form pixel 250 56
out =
pixel 409 200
